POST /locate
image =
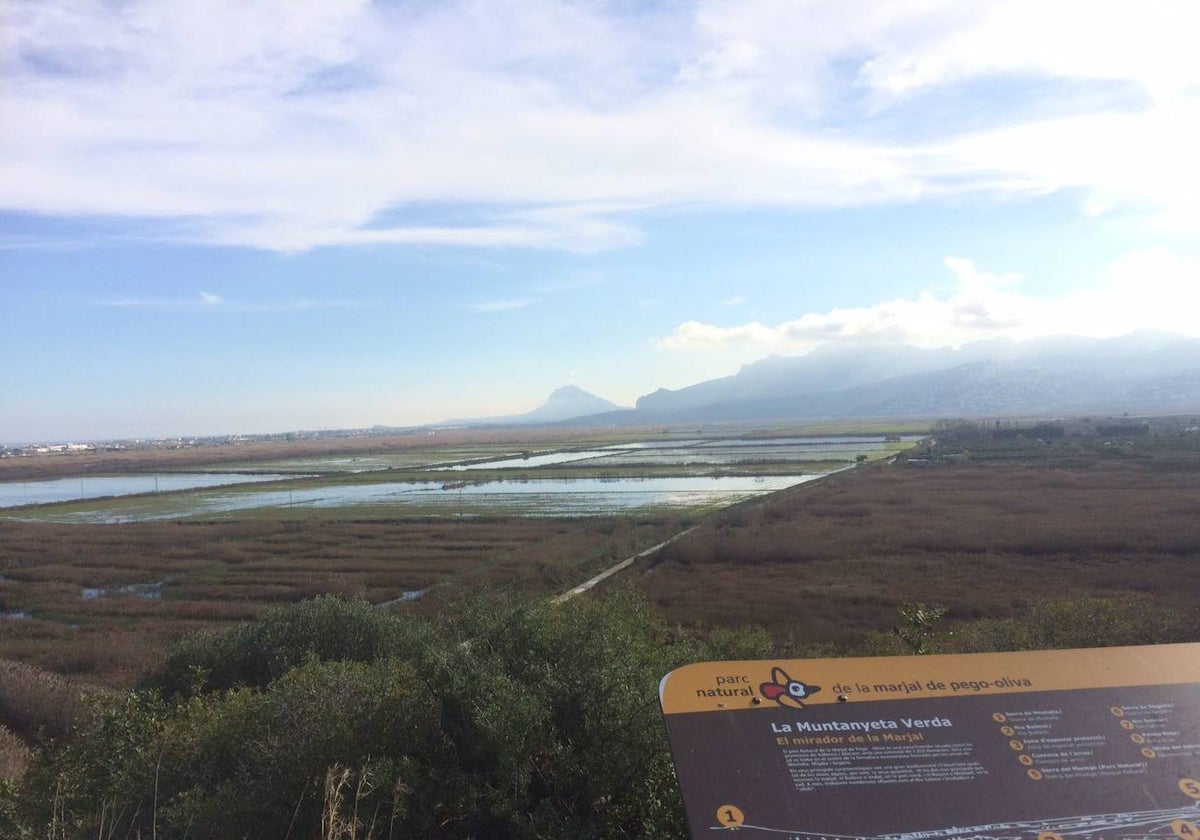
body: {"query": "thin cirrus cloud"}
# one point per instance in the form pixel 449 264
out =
pixel 1150 289
pixel 206 301
pixel 499 305
pixel 203 300
pixel 292 126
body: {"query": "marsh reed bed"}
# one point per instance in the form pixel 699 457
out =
pixel 833 560
pixel 104 602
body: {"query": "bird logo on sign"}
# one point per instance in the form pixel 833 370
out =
pixel 786 691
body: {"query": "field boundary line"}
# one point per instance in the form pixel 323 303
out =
pixel 624 564
pixel 629 561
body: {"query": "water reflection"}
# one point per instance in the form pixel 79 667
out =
pixel 530 461
pixel 16 493
pixel 528 497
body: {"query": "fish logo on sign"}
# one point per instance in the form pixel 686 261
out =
pixel 786 691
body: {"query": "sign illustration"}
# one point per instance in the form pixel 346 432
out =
pixel 1098 744
pixel 786 691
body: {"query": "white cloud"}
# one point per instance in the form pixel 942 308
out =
pixel 289 126
pixel 1151 289
pixel 1149 43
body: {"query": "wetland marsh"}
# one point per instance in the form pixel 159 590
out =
pixel 695 474
pixel 97 588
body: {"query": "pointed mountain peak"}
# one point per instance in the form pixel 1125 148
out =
pixel 564 403
pixel 567 402
pixel 570 391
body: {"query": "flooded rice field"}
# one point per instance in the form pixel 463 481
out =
pixel 528 461
pixel 418 459
pixel 525 483
pixel 17 493
pixel 520 497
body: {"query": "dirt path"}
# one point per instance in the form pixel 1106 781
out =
pixel 629 561
pixel 612 570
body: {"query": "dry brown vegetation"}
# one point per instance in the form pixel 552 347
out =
pixel 35 702
pixel 215 573
pixel 833 560
pixel 829 561
pixel 14 755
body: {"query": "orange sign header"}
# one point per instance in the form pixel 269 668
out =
pixel 796 683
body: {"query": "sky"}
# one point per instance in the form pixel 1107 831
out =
pixel 221 216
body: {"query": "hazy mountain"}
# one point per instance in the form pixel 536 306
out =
pixel 564 403
pixel 825 369
pixel 1141 373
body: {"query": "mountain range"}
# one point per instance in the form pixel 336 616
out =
pixel 1141 373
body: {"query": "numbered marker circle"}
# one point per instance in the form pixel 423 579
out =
pixel 1049 835
pixel 1036 775
pixel 1149 753
pixel 1190 787
pixel 1137 739
pixel 1016 745
pixel 1127 724
pixel 999 718
pixel 1117 711
pixel 1007 730
pixel 730 816
pixel 1026 760
pixel 1185 830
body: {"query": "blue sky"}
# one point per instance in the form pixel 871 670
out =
pixel 222 217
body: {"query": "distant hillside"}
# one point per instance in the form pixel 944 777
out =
pixel 1140 373
pixel 565 403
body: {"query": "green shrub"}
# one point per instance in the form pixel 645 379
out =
pixel 1081 623
pixel 917 628
pixel 501 720
pixel 246 763
pixel 326 628
pixel 511 720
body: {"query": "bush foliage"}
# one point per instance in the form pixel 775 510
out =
pixel 334 719
pixel 1082 622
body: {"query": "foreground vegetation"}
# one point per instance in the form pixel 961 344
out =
pixel 333 718
pixel 223 708
pixel 505 719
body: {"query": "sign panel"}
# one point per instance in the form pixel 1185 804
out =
pixel 1098 744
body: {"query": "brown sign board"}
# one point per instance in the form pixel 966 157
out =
pixel 1098 744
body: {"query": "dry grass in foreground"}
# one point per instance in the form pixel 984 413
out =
pixel 36 702
pixel 831 561
pixel 14 756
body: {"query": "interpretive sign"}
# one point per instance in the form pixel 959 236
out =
pixel 1098 744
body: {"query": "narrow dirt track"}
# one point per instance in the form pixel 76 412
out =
pixel 612 570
